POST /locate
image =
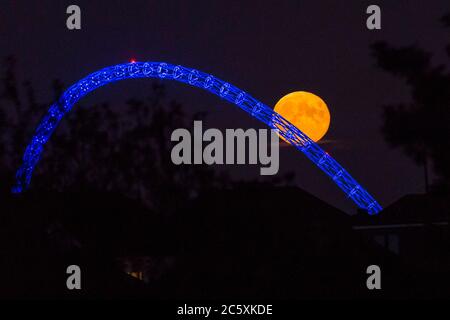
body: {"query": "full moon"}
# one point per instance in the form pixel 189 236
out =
pixel 307 112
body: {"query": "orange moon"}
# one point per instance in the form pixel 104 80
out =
pixel 307 112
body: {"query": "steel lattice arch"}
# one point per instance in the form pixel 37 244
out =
pixel 201 80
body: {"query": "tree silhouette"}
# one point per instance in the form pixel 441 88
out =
pixel 421 128
pixel 106 147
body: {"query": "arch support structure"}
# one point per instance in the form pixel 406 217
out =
pixel 201 80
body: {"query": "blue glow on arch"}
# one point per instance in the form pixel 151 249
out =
pixel 201 80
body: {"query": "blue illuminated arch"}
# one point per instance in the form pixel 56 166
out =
pixel 201 80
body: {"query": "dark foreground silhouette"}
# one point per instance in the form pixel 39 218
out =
pixel 250 242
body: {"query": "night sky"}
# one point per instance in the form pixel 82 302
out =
pixel 267 48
